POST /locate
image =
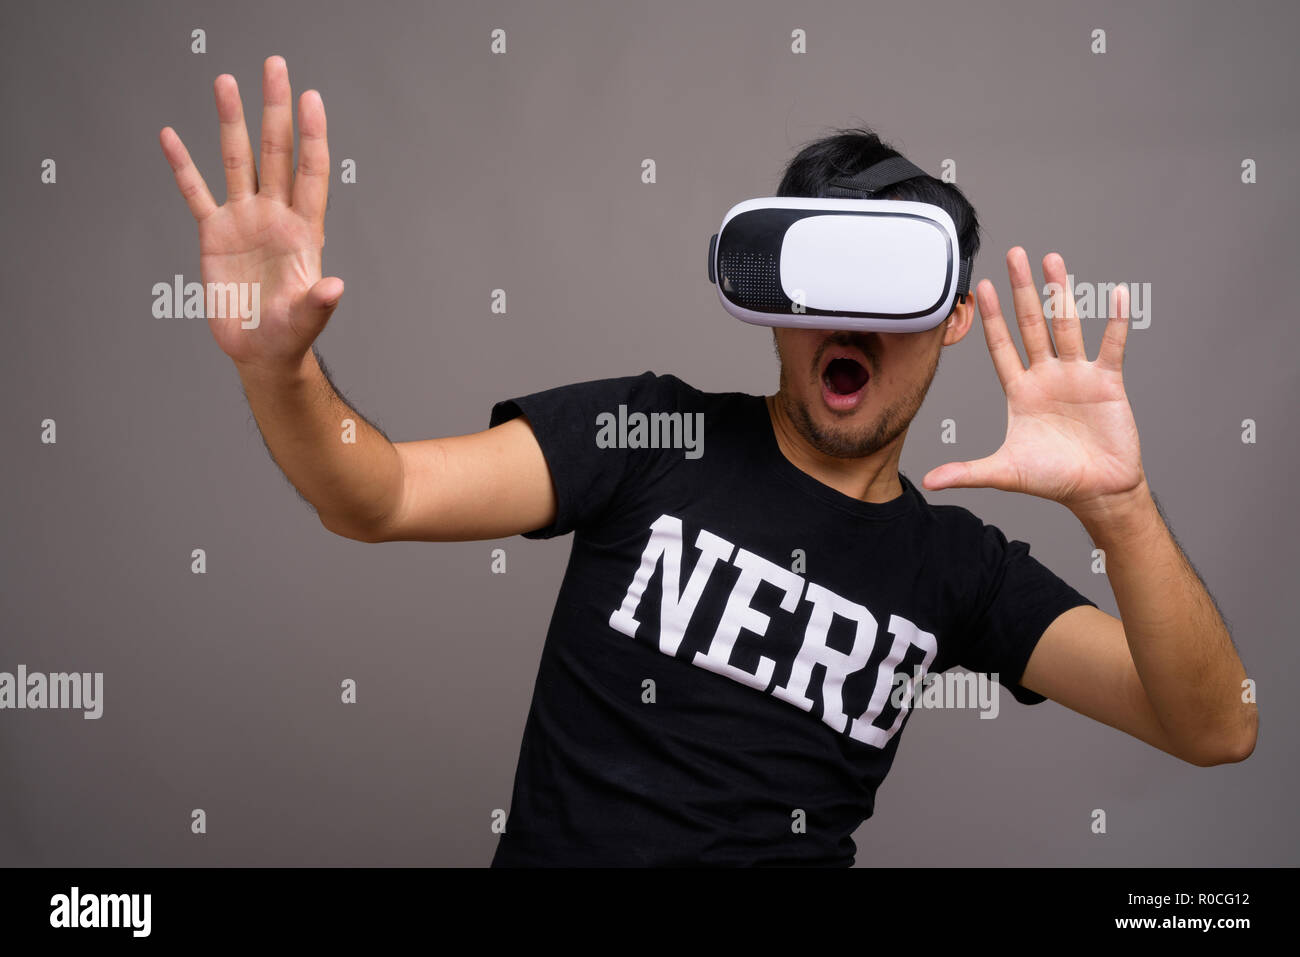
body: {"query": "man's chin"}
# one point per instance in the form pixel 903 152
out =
pixel 850 434
pixel 839 444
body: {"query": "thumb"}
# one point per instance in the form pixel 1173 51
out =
pixel 987 472
pixel 318 305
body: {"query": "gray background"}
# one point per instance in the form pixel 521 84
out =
pixel 522 171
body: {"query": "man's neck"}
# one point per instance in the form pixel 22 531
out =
pixel 873 478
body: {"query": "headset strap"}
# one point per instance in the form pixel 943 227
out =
pixel 873 179
pixel 888 172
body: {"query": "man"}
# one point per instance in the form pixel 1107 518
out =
pixel 715 687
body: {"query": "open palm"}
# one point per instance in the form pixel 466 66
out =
pixel 271 229
pixel 1071 436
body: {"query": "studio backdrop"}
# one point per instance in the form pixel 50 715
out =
pixel 521 197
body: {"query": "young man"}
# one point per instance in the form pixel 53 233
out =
pixel 716 685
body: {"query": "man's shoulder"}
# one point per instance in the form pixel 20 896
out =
pixel 969 538
pixel 956 524
pixel 672 384
pixel 663 391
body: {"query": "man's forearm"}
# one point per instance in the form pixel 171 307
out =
pixel 1181 647
pixel 352 485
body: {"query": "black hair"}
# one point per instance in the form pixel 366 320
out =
pixel 849 151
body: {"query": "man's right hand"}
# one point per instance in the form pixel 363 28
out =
pixel 484 485
pixel 271 229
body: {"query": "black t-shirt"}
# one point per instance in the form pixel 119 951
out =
pixel 716 686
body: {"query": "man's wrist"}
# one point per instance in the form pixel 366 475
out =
pixel 1122 517
pixel 278 375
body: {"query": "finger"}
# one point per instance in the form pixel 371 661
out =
pixel 1006 357
pixel 277 130
pixel 311 184
pixel 1066 330
pixel 989 472
pixel 236 151
pixel 1029 310
pixel 190 181
pixel 1111 356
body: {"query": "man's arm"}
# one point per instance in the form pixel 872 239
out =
pixel 489 484
pixel 1166 671
pixel 268 236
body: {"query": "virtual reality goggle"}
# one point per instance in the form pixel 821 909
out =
pixel 843 262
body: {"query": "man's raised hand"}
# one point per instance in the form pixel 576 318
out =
pixel 271 228
pixel 1071 436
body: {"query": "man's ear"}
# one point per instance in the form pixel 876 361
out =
pixel 959 320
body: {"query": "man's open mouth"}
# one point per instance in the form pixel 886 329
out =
pixel 845 376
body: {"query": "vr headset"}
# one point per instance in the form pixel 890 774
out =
pixel 844 262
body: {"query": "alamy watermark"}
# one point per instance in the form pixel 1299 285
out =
pixel 36 690
pixel 218 300
pixel 654 430
pixel 75 909
pixel 950 689
pixel 1092 301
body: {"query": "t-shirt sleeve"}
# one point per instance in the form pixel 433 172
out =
pixel 1017 598
pixel 567 422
